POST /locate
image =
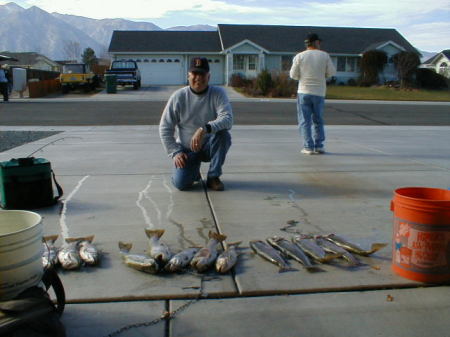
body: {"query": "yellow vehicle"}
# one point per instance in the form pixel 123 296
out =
pixel 77 76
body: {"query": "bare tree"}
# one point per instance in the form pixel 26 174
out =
pixel 72 50
pixel 406 63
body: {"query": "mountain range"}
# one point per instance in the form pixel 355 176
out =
pixel 62 36
pixel 59 36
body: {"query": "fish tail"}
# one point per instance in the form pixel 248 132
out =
pixel 81 238
pixel 125 247
pixel 217 236
pixel 237 243
pixel 376 247
pixel 50 238
pixel 330 257
pixel 154 232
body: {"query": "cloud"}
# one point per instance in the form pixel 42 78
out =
pixel 429 35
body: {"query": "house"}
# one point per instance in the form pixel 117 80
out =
pixel 32 60
pixel 163 56
pixel 440 63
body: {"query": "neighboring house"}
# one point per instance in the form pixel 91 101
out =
pixel 163 56
pixel 440 63
pixel 32 60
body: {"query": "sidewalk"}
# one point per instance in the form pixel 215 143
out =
pixel 117 182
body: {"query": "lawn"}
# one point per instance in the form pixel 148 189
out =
pixel 386 94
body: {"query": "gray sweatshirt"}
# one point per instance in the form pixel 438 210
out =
pixel 185 112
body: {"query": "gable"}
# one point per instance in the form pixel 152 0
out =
pixel 246 46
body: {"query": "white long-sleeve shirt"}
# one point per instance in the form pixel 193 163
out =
pixel 311 68
pixel 186 111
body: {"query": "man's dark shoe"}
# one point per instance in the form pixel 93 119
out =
pixel 215 184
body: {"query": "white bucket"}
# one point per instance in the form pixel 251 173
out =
pixel 20 252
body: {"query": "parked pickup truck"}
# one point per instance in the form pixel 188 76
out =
pixel 127 73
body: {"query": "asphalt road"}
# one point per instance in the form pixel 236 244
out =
pixel 246 113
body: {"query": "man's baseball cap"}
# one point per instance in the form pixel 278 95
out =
pixel 311 37
pixel 199 65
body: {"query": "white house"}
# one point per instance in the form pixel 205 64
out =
pixel 440 63
pixel 163 56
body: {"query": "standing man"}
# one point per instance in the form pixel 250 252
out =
pixel 194 128
pixel 311 68
pixel 4 86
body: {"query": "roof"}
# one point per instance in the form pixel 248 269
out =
pixel 26 58
pixel 165 41
pixel 273 38
pixel 445 53
pixel 337 40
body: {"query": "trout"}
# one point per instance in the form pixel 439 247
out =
pixel 206 256
pixel 181 260
pixel 269 253
pixel 136 261
pixel 228 258
pixel 50 255
pixel 158 250
pixel 353 248
pixel 291 250
pixel 310 247
pixel 331 247
pixel 88 252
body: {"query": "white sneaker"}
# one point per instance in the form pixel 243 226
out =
pixel 307 151
pixel 319 150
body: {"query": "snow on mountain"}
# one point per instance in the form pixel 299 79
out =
pixel 36 30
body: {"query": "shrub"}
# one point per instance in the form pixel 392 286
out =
pixel 351 82
pixel 239 81
pixel 283 86
pixel 264 82
pixel 372 63
pixel 428 79
pixel 406 64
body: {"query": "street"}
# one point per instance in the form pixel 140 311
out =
pixel 249 112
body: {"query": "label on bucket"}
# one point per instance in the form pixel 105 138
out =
pixel 421 248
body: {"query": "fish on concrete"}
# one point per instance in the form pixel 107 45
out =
pixel 139 262
pixel 157 249
pixel 50 254
pixel 88 251
pixel 269 253
pixel 353 248
pixel 181 260
pixel 69 254
pixel 309 245
pixel 228 258
pixel 206 256
pixel 291 250
pixel 332 248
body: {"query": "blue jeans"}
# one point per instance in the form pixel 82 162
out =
pixel 214 150
pixel 310 110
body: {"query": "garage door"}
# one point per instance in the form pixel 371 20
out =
pixel 166 70
pixel 216 68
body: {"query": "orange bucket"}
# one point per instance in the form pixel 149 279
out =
pixel 421 235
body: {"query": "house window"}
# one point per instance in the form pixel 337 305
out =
pixel 238 62
pixel 286 62
pixel 153 61
pixel 252 62
pixel 176 61
pixel 341 60
pixel 169 61
pixel 351 65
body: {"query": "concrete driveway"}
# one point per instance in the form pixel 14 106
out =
pixel 117 182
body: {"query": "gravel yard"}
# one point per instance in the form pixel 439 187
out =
pixel 11 139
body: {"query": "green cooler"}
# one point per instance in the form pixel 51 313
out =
pixel 26 183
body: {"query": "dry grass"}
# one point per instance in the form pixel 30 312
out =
pixel 386 94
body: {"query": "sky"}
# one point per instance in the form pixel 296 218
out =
pixel 425 24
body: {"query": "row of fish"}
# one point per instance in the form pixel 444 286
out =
pixel 74 252
pixel 307 249
pixel 160 258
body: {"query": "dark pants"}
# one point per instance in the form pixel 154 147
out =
pixel 214 150
pixel 4 90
